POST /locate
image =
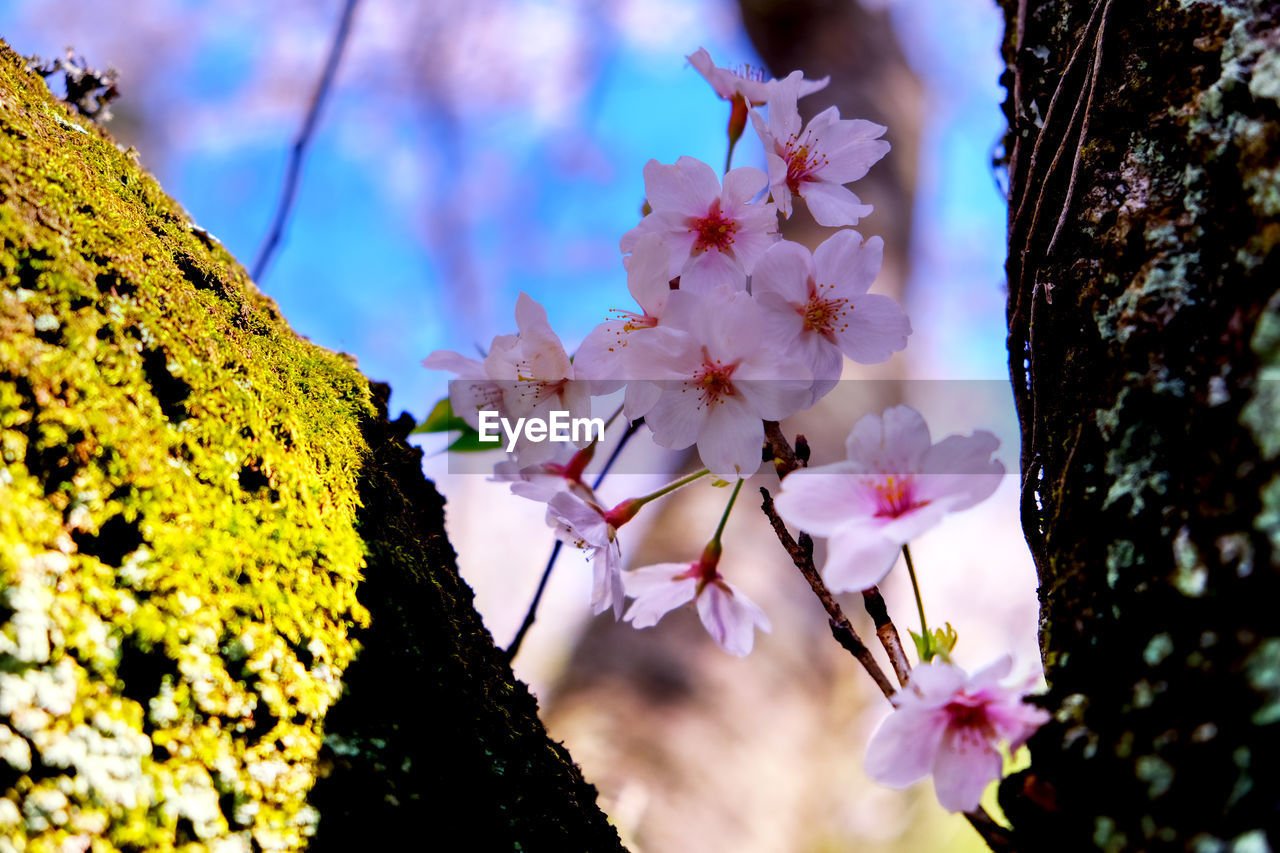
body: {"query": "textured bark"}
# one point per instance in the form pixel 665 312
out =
pixel 229 616
pixel 1144 344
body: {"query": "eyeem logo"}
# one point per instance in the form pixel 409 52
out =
pixel 558 427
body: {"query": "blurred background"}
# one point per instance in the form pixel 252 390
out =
pixel 472 149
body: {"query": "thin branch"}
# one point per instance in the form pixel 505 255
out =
pixel 887 633
pixel 998 838
pixel 294 168
pixel 801 553
pixel 532 613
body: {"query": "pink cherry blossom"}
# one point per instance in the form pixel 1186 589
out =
pixel 715 235
pixel 948 724
pixel 604 355
pixel 728 615
pixel 748 82
pixel 581 523
pixel 524 375
pixel 821 300
pixel 894 485
pixel 720 371
pixel 817 161
pixel 543 481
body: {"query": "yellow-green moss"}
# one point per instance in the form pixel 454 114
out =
pixel 178 555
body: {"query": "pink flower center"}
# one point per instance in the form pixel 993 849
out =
pixel 802 161
pixel 714 380
pixel 970 721
pixel 714 231
pixel 895 497
pixel 825 316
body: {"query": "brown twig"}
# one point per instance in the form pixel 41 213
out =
pixel 801 553
pixel 887 633
pixel 294 168
pixel 998 838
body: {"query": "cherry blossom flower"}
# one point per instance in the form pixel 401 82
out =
pixel 603 356
pixel 583 524
pixel 721 371
pixel 728 615
pixel 821 300
pixel 894 485
pixel 815 163
pixel 526 375
pixel 749 83
pixel 715 235
pixel 541 482
pixel 948 724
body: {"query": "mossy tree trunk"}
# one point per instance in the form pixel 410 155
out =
pixel 1144 340
pixel 229 616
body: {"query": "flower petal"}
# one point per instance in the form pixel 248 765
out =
pixel 731 438
pixel 847 263
pixel 965 765
pixel 821 500
pixel 903 749
pixel 875 329
pixel 785 269
pixel 832 204
pixel 657 592
pixel 858 557
pixel 730 619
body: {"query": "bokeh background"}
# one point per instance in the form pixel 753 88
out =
pixel 472 149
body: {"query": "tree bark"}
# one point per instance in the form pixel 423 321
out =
pixel 1144 340
pixel 229 615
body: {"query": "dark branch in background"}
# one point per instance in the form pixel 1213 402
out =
pixel 532 612
pixel 294 168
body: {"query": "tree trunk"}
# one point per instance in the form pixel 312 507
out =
pixel 229 616
pixel 1144 338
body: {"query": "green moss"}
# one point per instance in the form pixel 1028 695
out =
pixel 191 498
pixel 178 550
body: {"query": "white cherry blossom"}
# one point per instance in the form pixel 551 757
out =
pixel 816 161
pixel 715 234
pixel 949 724
pixel 721 371
pixel 821 302
pixel 526 375
pixel 894 485
pixel 582 523
pixel 728 615
pixel 749 83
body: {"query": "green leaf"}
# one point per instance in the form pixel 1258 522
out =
pixel 469 442
pixel 924 651
pixel 442 419
pixel 944 641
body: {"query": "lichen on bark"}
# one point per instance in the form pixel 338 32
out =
pixel 219 563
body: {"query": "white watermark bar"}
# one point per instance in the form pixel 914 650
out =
pixel 950 406
pixel 558 426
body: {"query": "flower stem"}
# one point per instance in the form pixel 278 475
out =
pixel 625 511
pixel 724 519
pixel 915 587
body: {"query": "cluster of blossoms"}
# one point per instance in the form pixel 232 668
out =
pixel 732 327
